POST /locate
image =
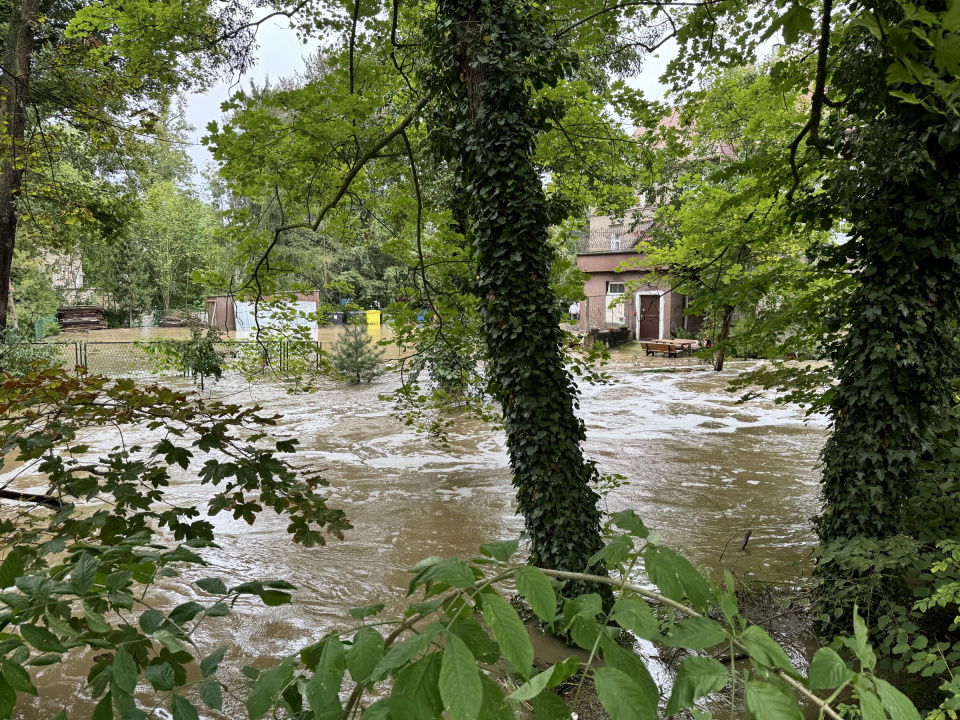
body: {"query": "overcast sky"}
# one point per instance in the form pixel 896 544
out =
pixel 281 54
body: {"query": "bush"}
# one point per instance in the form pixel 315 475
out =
pixel 19 356
pixel 354 357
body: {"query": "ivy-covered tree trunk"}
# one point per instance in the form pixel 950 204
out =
pixel 491 52
pixel 15 85
pixel 899 359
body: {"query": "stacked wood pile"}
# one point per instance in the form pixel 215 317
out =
pixel 172 321
pixel 81 318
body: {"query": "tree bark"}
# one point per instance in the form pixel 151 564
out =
pixel 15 81
pixel 724 334
pixel 507 224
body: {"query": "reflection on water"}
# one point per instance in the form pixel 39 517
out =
pixel 702 471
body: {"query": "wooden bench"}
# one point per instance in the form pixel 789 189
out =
pixel 670 349
pixel 652 348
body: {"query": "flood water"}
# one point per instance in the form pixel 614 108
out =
pixel 702 471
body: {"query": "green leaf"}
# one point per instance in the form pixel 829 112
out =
pixel 764 649
pixel 18 677
pixel 95 620
pixel 160 676
pixel 696 634
pixel 797 20
pixel 323 689
pixel 548 706
pixel 630 663
pixel 637 617
pixel 407 650
pixel 211 694
pixel 380 710
pixel 365 653
pixel 214 586
pixel 12 568
pixel 209 664
pixel 125 671
pixel 828 670
pixel 502 551
pixel 452 571
pixel 494 705
pixel 459 684
pixel 273 598
pixel 870 706
pixel 41 638
pixel 553 675
pixel 8 698
pixel 621 697
pixel 538 590
pixel 83 574
pixel 675 576
pixel 183 709
pixel 483 647
pixel 510 632
pixel 770 702
pixel 895 702
pixel 696 677
pixel 58 626
pixel 629 521
pixel 366 611
pixel 151 621
pixel 267 687
pixel 415 693
pixel 104 708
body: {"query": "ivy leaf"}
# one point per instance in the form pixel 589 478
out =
pixel 696 677
pixel 537 589
pixel 769 701
pixel 459 684
pixel 365 653
pixel 828 670
pixel 510 632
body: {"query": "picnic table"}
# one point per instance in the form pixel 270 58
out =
pixel 669 348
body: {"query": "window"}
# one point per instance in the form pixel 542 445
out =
pixel 615 288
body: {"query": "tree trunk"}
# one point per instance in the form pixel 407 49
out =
pixel 13 307
pixel 508 222
pixel 724 334
pixel 15 82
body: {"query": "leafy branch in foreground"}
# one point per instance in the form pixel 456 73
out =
pixel 81 557
pixel 448 653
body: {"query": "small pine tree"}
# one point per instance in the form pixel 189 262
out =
pixel 354 356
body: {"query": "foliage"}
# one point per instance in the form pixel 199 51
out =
pixel 431 657
pixel 81 557
pixel 354 357
pixel 20 356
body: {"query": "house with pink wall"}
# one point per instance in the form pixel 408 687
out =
pixel 638 298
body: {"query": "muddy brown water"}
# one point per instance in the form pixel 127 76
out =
pixel 702 471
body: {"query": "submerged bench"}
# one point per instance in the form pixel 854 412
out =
pixel 667 348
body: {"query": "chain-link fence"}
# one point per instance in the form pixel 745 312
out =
pixel 168 357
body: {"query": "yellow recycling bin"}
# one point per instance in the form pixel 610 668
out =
pixel 373 317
